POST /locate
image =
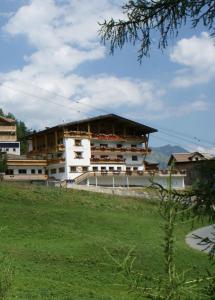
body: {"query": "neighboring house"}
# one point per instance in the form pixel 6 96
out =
pixel 8 138
pixel 188 162
pixel 106 150
pixel 25 168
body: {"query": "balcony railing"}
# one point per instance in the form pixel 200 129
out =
pixel 56 160
pixel 7 138
pixel 87 174
pixel 107 160
pixel 7 128
pixel 80 134
pixel 120 149
pixel 25 177
pixel 114 137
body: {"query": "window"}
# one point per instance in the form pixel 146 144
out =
pixel 53 171
pixel 134 158
pixel 111 168
pixel 14 150
pixel 128 168
pixel 73 169
pixel 119 157
pixel 135 168
pixel 78 155
pixel 133 146
pixel 7 149
pixel 61 170
pixel 119 145
pixel 40 171
pixel 32 171
pixel 103 169
pixel 10 172
pixel 77 142
pixel 95 169
pixel 85 169
pixel 104 145
pixel 119 169
pixel 22 171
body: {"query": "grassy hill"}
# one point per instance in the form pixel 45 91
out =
pixel 55 240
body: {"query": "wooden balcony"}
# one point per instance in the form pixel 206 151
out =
pixel 7 138
pixel 108 160
pixel 56 160
pixel 77 134
pixel 118 138
pixel 25 177
pixel 7 128
pixel 120 150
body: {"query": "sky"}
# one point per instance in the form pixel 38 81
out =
pixel 53 69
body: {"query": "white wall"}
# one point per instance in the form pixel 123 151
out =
pixel 177 181
pixel 10 149
pixel 130 162
pixel 58 175
pixel 70 150
pixel 28 169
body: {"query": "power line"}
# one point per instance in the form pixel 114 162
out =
pixel 42 98
pixel 182 138
pixel 67 98
pixel 177 135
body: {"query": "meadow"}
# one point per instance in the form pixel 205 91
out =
pixel 60 242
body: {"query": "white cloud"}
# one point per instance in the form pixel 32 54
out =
pixel 197 55
pixel 201 149
pixel 178 111
pixel 64 34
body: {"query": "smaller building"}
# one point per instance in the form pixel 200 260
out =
pixel 21 168
pixel 8 137
pixel 189 163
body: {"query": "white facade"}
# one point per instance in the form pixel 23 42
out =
pixel 28 170
pixel 57 171
pixel 77 156
pixel 129 181
pixel 10 147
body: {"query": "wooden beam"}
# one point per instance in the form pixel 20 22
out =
pixel 56 138
pixel 88 128
pixel 113 128
pixel 35 142
pixel 46 141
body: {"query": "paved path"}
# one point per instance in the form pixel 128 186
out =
pixel 204 232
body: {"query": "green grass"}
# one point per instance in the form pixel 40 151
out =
pixel 55 239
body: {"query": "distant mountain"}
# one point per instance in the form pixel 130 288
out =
pixel 162 154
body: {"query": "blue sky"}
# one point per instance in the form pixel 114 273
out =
pixel 54 69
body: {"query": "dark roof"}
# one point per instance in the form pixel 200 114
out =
pixel 146 129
